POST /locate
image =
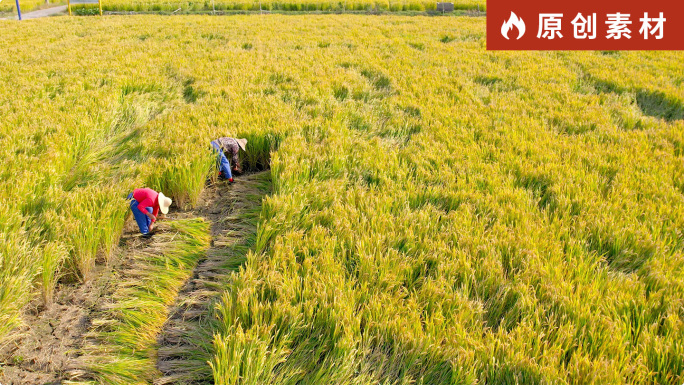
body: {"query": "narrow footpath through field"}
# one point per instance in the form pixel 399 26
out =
pixel 187 335
pixel 45 12
pixel 52 11
pixel 59 342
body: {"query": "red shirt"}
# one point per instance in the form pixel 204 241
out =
pixel 147 197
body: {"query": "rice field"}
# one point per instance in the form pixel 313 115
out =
pixel 440 214
pixel 285 5
pixel 203 6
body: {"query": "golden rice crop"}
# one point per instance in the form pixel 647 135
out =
pixel 284 5
pixel 177 6
pixel 441 214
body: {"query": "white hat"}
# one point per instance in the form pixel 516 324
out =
pixel 242 143
pixel 164 203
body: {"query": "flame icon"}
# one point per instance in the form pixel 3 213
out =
pixel 514 21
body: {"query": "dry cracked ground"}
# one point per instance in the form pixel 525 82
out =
pixel 48 348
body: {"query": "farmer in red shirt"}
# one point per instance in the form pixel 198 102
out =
pixel 145 205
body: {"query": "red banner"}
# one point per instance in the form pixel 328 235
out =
pixel 608 25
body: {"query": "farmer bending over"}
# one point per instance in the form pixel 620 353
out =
pixel 229 148
pixel 145 205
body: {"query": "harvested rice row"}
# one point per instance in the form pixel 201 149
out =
pixel 122 348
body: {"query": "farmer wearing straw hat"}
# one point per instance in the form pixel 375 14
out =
pixel 229 147
pixel 145 205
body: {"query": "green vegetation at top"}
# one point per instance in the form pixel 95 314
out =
pixel 340 6
pixel 234 6
pixel 441 214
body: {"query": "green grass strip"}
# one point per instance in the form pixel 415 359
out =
pixel 124 344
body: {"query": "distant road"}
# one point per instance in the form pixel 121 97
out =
pixel 44 12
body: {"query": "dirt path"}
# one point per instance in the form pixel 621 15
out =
pixel 44 12
pixel 186 338
pixel 48 348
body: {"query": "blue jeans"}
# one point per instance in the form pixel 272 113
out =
pixel 143 220
pixel 224 164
